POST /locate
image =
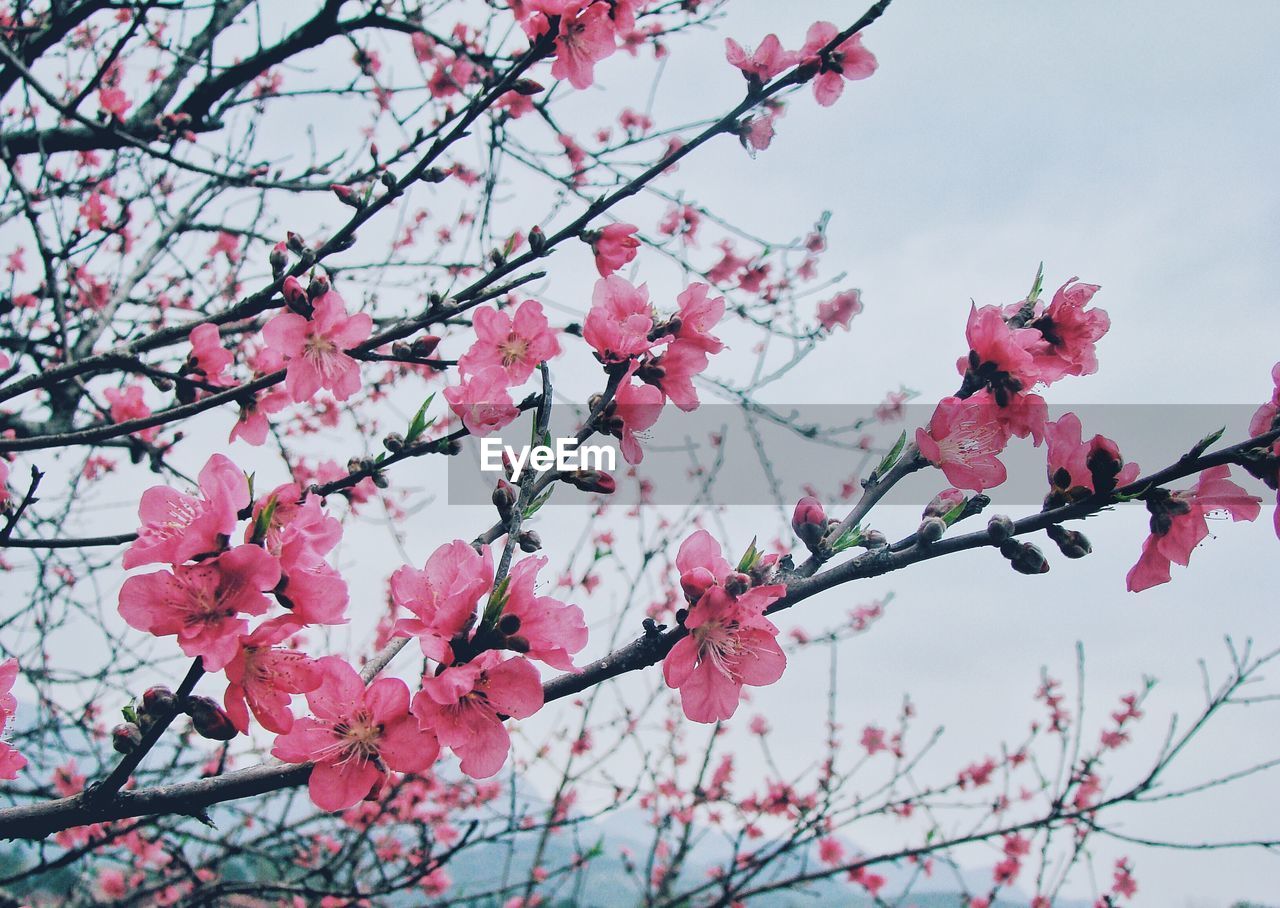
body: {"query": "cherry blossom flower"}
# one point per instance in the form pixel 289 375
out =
pixel 1070 458
pixel 1068 333
pixel 767 61
pixel 252 425
pixel 635 407
pixel 481 401
pixel 553 630
pixel 999 356
pixel 673 372
pixel 849 60
pixel 177 527
pixel 701 564
pixel 262 676
pixel 614 246
pixel 730 644
pixel 314 348
pixel 963 438
pixel 202 603
pixel 620 320
pixel 840 310
pixel 586 37
pixel 698 314
pixel 207 353
pixel 514 343
pixel 1178 524
pixel 442 596
pixel 11 762
pixel 354 735
pixel 114 101
pixel 463 704
pixel 126 404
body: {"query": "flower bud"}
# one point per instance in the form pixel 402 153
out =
pixel 508 625
pixel 294 296
pixel 809 521
pixel 278 258
pixel 504 498
pixel 529 542
pixel 1071 543
pixel 318 287
pixel 1000 527
pixel 873 539
pixel 527 87
pixel 696 582
pixel 1024 557
pixel 518 644
pixel 209 719
pixel 394 442
pixel 931 530
pixel 424 346
pixel 592 481
pixel 347 195
pixel 295 242
pixel 125 737
pixel 736 584
pixel 944 503
pixel 158 701
pixel 537 240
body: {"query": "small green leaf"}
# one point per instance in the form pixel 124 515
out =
pixel 533 507
pixel 419 423
pixel 749 557
pixel 497 602
pixel 1037 287
pixel 848 539
pixel 954 514
pixel 130 714
pixel 890 459
pixel 1203 444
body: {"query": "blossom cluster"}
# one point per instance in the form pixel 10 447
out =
pixel 211 591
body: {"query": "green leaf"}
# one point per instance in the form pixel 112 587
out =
pixel 130 714
pixel 419 423
pixel 1203 444
pixel 954 514
pixel 262 523
pixel 1037 287
pixel 749 557
pixel 497 602
pixel 848 539
pixel 891 458
pixel 533 507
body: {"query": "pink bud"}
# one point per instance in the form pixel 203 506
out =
pixel 809 521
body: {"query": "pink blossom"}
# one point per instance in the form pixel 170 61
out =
pixel 963 438
pixel 1068 333
pixel 635 408
pixel 620 320
pixel 849 60
pixel 698 314
pixel 481 401
pixel 673 372
pixel 202 603
pixel 262 676
pixel 553 630
pixel 514 343
pixel 614 246
pixel 1178 524
pixel 207 353
pixel 462 706
pixel 442 596
pixel 11 762
pixel 840 310
pixel 756 133
pixel 999 356
pixel 353 733
pixel 768 60
pixel 114 101
pixel 177 527
pixel 701 564
pixel 252 425
pixel 730 644
pixel 586 37
pixel 1070 457
pixel 314 348
pixel 127 404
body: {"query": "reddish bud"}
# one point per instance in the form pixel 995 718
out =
pixel 943 503
pixel 125 737
pixel 278 258
pixel 527 87
pixel 809 521
pixel 696 582
pixel 592 481
pixel 158 701
pixel 209 719
pixel 294 295
pixel 424 346
pixel 347 195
